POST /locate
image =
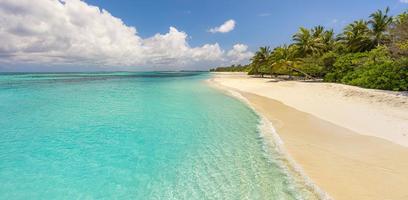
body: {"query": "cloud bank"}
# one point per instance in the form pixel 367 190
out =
pixel 224 28
pixel 71 32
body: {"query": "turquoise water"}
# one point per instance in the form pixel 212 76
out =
pixel 151 135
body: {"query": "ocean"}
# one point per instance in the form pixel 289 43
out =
pixel 132 135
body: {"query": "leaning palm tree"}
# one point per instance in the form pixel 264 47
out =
pixel 380 21
pixel 286 57
pixel 356 37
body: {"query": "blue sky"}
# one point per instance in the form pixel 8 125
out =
pixel 77 35
pixel 259 22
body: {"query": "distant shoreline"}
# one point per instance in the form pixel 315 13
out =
pixel 346 163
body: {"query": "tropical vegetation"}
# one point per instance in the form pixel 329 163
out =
pixel 232 68
pixel 369 53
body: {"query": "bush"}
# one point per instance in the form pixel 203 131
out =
pixel 345 64
pixel 318 66
pixel 312 66
pixel 232 68
pixel 386 76
pixel 375 69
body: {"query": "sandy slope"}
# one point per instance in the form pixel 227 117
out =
pixel 327 129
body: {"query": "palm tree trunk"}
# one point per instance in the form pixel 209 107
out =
pixel 302 72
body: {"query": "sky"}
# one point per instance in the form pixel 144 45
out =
pixel 134 35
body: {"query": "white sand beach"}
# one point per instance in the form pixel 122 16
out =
pixel 352 142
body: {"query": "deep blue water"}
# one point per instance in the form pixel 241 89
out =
pixel 130 135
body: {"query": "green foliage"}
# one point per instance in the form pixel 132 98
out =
pixel 310 42
pixel 319 66
pixel 328 60
pixel 260 61
pixel 310 66
pixel 386 76
pixel 232 68
pixel 358 56
pixel 380 22
pixel 343 65
pixel 282 59
pixel 374 69
pixel 401 18
pixel 356 37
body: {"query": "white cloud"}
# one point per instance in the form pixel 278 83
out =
pixel 226 27
pixel 404 1
pixel 238 53
pixel 71 32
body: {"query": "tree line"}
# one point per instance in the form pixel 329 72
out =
pixel 232 68
pixel 369 53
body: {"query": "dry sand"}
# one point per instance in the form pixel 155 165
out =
pixel 352 142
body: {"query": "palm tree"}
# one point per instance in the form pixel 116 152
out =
pixel 401 18
pixel 306 42
pixel 356 36
pixel 317 32
pixel 398 44
pixel 380 21
pixel 328 40
pixel 286 57
pixel 260 60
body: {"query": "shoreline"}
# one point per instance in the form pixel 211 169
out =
pixel 342 162
pixel 272 141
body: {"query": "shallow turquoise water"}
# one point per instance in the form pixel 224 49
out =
pixel 150 135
